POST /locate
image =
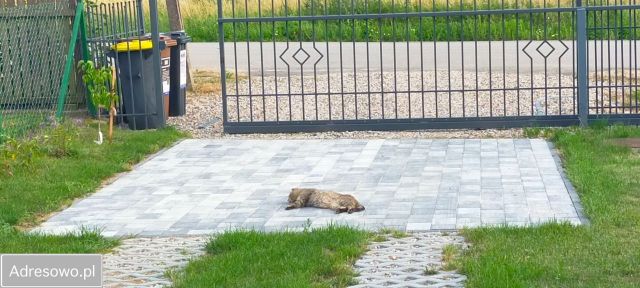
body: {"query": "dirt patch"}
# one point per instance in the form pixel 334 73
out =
pixel 633 143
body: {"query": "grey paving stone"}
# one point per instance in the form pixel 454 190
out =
pixel 469 213
pixel 413 184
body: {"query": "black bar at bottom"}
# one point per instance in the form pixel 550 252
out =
pixel 421 124
pixel 399 124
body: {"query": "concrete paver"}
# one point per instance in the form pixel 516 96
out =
pixel 206 186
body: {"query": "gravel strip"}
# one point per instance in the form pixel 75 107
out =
pixel 204 120
pixel 413 261
pixel 204 112
pixel 488 102
pixel 143 262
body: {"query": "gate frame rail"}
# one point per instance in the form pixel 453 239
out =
pixel 583 118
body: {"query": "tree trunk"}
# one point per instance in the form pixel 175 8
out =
pixel 112 104
pixel 112 113
pixel 175 19
pixel 175 24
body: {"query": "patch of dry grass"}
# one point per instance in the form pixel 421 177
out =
pixel 450 257
pixel 205 82
pixel 625 98
pixel 620 100
pixel 208 82
pixel 392 232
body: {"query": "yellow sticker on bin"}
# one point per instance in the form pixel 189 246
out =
pixel 133 45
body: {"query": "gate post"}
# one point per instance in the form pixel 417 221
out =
pixel 583 71
pixel 223 73
pixel 157 66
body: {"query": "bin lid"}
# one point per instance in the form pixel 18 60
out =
pixel 180 36
pixel 133 45
pixel 168 41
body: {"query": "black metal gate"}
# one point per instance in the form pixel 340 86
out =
pixel 336 65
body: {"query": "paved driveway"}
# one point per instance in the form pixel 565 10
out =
pixel 205 186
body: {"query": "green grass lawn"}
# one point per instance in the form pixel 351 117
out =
pixel 15 241
pixel 200 21
pixel 604 254
pixel 52 182
pixel 317 258
pixel 16 124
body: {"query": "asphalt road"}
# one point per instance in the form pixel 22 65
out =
pixel 529 57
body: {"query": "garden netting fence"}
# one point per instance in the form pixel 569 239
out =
pixel 34 43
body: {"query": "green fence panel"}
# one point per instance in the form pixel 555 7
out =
pixel 68 67
pixel 34 43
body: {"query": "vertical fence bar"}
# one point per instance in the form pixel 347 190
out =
pixel 583 73
pixel 140 12
pixel 64 86
pixel 157 67
pixel 223 78
pixel 86 56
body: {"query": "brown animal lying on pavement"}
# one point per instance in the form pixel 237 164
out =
pixel 309 197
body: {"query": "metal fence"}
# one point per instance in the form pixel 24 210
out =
pixel 320 65
pixel 109 23
pixel 114 22
pixel 34 41
pixel 38 79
